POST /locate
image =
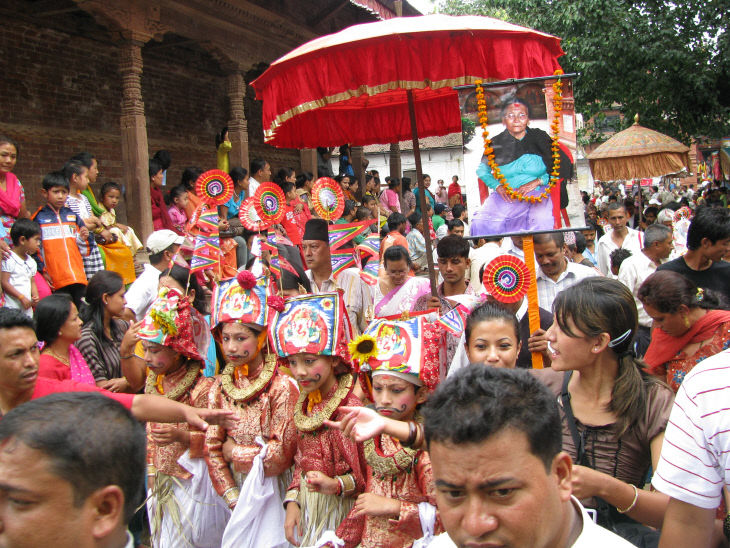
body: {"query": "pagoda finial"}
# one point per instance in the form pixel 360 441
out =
pixel 636 118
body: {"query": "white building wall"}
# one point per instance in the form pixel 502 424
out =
pixel 438 163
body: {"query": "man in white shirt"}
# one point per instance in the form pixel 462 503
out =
pixel 620 236
pixel 481 255
pixel 658 244
pixel 695 461
pixel 513 246
pixel 260 173
pixel 162 246
pixel 556 272
pixel 358 296
pixel 494 437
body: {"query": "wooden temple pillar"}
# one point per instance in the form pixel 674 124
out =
pixel 237 124
pixel 135 155
pixel 308 160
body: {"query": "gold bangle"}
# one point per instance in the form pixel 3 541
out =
pixel 230 495
pixel 633 503
pixel 348 484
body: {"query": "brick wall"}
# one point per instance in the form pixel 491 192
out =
pixel 61 94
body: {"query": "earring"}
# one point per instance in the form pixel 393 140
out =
pixel 686 321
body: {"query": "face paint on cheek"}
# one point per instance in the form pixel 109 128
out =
pixel 400 409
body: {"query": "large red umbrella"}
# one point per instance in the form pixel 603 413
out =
pixel 350 87
pixel 392 80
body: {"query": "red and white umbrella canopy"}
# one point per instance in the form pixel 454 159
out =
pixel 350 87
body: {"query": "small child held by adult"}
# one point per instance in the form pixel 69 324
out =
pixel 111 193
pixel 177 200
pixel 19 269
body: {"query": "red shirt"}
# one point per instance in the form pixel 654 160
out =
pixel 455 190
pixel 293 223
pixel 45 386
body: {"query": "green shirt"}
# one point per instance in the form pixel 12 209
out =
pixel 437 221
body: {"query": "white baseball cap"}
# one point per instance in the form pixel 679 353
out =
pixel 160 240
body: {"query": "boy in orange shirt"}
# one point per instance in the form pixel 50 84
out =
pixel 61 231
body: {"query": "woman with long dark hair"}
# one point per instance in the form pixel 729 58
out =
pixel 614 415
pixel 58 327
pixel 102 341
pixel 689 325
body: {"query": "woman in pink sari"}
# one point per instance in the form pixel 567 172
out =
pixel 389 200
pixel 399 290
pixel 12 195
pixel 58 330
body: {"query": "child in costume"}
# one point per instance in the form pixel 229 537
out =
pixel 398 502
pixel 328 467
pixel 178 515
pixel 260 396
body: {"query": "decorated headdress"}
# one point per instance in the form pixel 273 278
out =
pixel 506 278
pixel 172 321
pixel 242 299
pixel 408 349
pixel 313 324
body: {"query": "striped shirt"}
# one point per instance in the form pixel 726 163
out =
pixel 102 355
pixel 695 459
pixel 547 288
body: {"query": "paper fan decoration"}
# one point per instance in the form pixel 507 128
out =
pixel 214 187
pixel 506 278
pixel 270 203
pixel 328 199
pixel 249 216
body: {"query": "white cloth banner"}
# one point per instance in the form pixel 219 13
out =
pixel 206 513
pixel 258 518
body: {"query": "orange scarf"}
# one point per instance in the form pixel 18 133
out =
pixel 664 347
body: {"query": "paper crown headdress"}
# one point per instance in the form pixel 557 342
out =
pixel 242 301
pixel 171 321
pixel 312 324
pixel 408 349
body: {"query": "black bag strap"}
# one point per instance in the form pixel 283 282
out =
pixel 570 418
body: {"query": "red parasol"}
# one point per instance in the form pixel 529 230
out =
pixel 351 87
pixel 387 81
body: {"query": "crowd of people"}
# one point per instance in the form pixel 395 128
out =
pixel 291 402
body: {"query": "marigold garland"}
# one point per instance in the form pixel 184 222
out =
pixel 554 127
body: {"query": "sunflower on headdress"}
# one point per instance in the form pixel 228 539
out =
pixel 363 348
pixel 163 312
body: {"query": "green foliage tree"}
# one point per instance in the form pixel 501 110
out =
pixel 668 61
pixel 468 130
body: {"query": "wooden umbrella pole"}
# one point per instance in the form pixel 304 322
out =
pixel 422 193
pixel 533 307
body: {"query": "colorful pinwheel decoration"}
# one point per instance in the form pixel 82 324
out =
pixel 249 217
pixel 328 199
pixel 270 203
pixel 506 278
pixel 214 187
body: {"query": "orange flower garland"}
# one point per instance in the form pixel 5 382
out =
pixel 555 128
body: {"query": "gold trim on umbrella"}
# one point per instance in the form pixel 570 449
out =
pixel 282 118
